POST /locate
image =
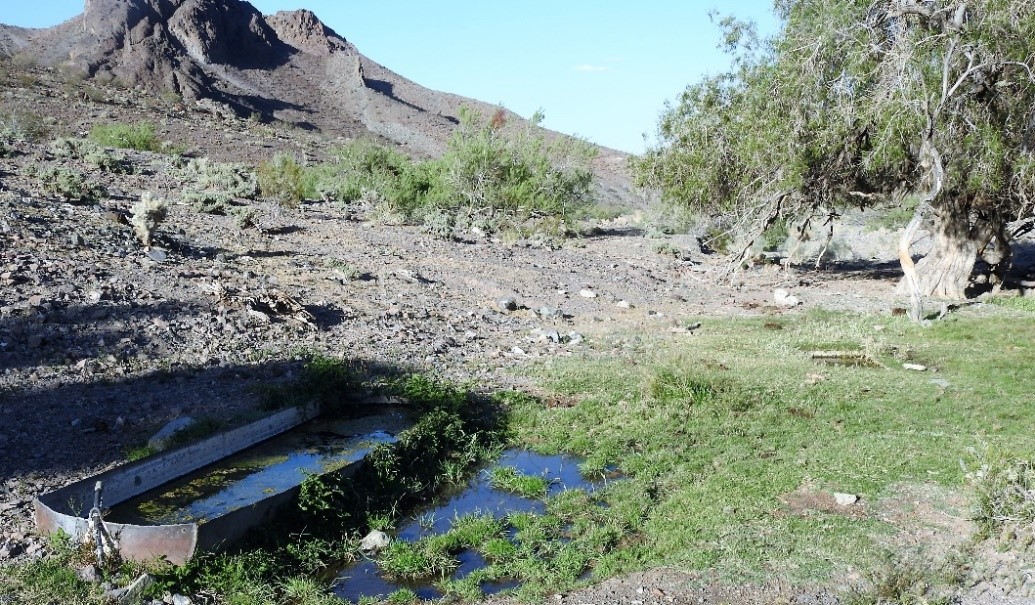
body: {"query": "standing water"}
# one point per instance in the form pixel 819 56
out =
pixel 267 469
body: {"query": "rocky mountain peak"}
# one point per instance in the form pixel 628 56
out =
pixel 303 30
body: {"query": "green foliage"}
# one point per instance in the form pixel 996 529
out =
pixel 140 136
pixel 213 186
pixel 69 185
pixel 491 175
pixel 281 179
pixel 324 381
pixel 108 161
pixel 856 105
pixel 508 478
pixel 520 173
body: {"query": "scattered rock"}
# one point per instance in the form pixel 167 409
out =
pixel 179 599
pixel 623 304
pixel 914 367
pixel 587 293
pixel 845 499
pixel 784 298
pixel 157 255
pixel 160 440
pixel 507 305
pixel 374 542
pixel 549 312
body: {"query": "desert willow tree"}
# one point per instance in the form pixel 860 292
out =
pixel 867 104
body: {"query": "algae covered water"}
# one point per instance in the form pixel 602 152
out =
pixel 267 469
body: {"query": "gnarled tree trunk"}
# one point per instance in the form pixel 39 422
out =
pixel 959 234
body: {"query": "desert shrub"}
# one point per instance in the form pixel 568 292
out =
pixel 357 166
pixel 140 136
pixel 109 161
pixel 281 179
pixel 517 172
pixel 24 126
pixel 146 215
pixel 69 185
pixel 7 141
pixel 213 186
pixel 71 148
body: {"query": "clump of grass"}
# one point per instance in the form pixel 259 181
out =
pixel 1020 303
pixel 1005 495
pixel 140 136
pixel 508 478
pixel 69 185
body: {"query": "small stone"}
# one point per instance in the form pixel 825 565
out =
pixel 89 574
pixel 506 305
pixel 914 367
pixel 575 338
pixel 587 293
pixel 784 298
pixel 623 304
pixel 95 296
pixel 845 499
pixel 375 541
pixel 552 336
pixel 157 255
pixel 179 599
pixel 549 312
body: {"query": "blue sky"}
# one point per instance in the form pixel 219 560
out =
pixel 601 69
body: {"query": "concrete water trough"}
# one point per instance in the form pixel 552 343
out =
pixel 205 496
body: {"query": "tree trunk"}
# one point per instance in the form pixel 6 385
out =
pixel 958 236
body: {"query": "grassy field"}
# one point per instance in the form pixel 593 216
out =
pixel 732 442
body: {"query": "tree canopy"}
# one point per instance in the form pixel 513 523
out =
pixel 866 103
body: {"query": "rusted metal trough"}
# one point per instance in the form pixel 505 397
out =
pixel 230 510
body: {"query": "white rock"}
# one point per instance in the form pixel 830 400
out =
pixel 375 541
pixel 587 294
pixel 784 298
pixel 845 499
pixel 915 367
pixel 623 304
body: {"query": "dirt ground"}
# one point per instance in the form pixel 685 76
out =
pixel 103 340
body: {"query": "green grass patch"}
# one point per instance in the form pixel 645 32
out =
pixel 509 479
pixel 713 434
pixel 140 136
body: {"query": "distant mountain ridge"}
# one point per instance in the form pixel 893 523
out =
pixel 226 56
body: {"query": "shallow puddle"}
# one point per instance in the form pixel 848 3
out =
pixel 272 467
pixel 363 579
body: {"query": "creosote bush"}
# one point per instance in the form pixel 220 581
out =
pixel 492 177
pixel 146 215
pixel 282 180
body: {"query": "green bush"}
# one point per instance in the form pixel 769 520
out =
pixel 518 172
pixel 109 161
pixel 281 179
pixel 140 136
pixel 69 185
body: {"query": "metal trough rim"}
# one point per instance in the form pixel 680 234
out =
pixel 174 543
